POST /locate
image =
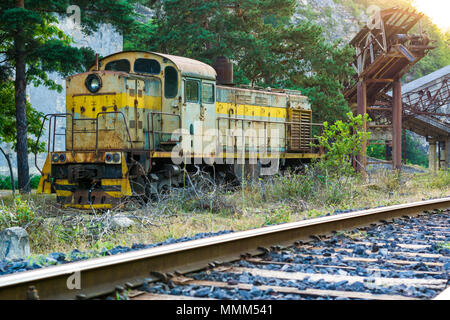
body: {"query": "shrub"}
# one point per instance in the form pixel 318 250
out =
pixel 24 213
pixel 342 140
pixel 20 214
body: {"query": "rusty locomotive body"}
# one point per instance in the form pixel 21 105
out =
pixel 136 120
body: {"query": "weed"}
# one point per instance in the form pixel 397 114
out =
pixel 390 181
pixel 440 179
pixel 315 185
pixel 313 213
pixel 280 215
pixel 24 213
pixel 354 235
pixel 442 245
pixel 20 214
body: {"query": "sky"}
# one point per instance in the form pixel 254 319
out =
pixel 437 10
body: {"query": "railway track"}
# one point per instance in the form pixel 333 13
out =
pixel 357 255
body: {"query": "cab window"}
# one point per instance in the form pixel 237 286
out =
pixel 207 93
pixel 192 91
pixel 150 66
pixel 170 82
pixel 118 65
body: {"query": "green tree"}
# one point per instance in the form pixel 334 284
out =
pixel 8 119
pixel 31 46
pixel 267 49
pixel 412 150
pixel 377 151
pixel 342 141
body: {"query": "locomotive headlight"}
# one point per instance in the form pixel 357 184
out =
pixel 93 83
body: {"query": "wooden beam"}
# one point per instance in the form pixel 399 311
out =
pixel 379 80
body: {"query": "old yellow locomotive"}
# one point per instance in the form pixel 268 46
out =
pixel 136 120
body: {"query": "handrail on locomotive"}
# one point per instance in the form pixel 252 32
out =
pixel 51 142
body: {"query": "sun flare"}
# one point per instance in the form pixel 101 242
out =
pixel 437 10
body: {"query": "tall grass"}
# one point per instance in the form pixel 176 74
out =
pixel 316 186
pixel 436 180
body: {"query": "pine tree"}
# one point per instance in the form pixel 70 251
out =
pixel 8 131
pixel 31 46
pixel 266 47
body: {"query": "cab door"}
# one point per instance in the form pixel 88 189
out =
pixel 193 116
pixel 209 115
pixel 169 119
pixel 135 111
pixel 152 108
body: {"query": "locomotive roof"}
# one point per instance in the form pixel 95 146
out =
pixel 188 67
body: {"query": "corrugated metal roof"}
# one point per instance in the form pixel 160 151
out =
pixel 190 67
pixel 425 80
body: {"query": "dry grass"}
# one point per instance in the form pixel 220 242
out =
pixel 186 212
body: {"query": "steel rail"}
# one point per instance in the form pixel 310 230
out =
pixel 100 276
